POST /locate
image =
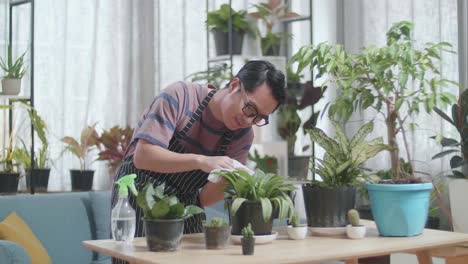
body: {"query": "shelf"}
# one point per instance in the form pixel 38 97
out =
pixel 15 97
pixel 296 19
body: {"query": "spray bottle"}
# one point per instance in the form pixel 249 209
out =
pixel 123 218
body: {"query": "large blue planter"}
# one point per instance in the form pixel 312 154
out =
pixel 400 209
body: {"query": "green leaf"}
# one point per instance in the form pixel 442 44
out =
pixel 160 209
pixel 192 210
pixel 236 204
pixel 444 153
pixel 176 211
pixel 266 208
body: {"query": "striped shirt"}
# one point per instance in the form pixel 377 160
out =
pixel 171 111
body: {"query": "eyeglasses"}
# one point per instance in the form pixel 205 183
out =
pixel 250 111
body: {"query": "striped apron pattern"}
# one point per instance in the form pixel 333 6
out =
pixel 185 185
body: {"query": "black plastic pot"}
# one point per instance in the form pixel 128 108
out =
pixel 248 245
pixel 222 39
pixel 433 222
pixel 41 179
pixel 164 235
pixel 9 182
pixel 298 167
pixel 217 237
pixel 82 180
pixel 250 212
pixel 327 207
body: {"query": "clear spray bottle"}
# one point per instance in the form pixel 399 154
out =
pixel 123 218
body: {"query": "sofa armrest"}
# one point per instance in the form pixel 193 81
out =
pixel 12 253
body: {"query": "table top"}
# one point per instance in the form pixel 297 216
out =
pixel 281 250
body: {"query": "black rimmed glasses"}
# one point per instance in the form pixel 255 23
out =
pixel 250 110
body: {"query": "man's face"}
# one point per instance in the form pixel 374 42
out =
pixel 244 109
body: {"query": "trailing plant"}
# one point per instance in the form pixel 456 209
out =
pixel 382 78
pixel 217 222
pixel 81 147
pixel 247 232
pixel 267 163
pixel 113 143
pixel 13 69
pixel 267 188
pixel 158 205
pixel 219 20
pixel 342 162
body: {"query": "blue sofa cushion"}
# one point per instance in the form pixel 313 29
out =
pixel 101 207
pixel 13 253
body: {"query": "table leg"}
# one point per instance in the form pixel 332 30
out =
pixel 351 261
pixel 424 257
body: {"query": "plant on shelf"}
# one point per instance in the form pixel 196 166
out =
pixel 248 240
pixel 164 217
pixel 271 13
pixel 355 230
pixel 260 195
pixel 296 230
pixel 216 75
pixel 112 145
pixel 217 233
pixel 267 163
pixel 382 78
pixel 8 173
pixel 218 22
pixel 15 70
pixel 81 148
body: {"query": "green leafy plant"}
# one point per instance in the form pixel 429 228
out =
pixel 353 217
pixel 247 231
pixel 113 143
pixel 267 188
pixel 81 147
pixel 267 163
pixel 295 221
pixel 217 222
pixel 382 78
pixel 341 163
pixel 452 146
pixel 215 75
pixel 158 205
pixel 219 20
pixel 13 69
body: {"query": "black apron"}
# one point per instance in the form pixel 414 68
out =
pixel 185 185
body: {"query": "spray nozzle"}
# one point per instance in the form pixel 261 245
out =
pixel 127 181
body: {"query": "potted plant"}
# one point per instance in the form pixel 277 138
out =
pixel 248 240
pixel 218 22
pixel 217 233
pixel 112 145
pixel 254 198
pixel 9 176
pixel 163 217
pixel 296 230
pixel 267 163
pixel 82 178
pixel 327 201
pixel 217 75
pixel 355 230
pixel 271 13
pixel 381 78
pixel 14 69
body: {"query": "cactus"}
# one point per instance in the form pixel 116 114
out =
pixel 294 220
pixel 353 217
pixel 247 231
pixel 216 222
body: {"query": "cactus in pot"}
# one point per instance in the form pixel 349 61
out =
pixel 296 230
pixel 355 230
pixel 248 240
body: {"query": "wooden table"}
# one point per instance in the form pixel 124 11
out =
pixel 311 250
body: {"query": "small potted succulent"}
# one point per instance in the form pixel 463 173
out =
pixel 164 217
pixel 355 230
pixel 14 69
pixel 296 230
pixel 217 233
pixel 248 240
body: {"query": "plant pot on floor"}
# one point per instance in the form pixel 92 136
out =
pixel 222 42
pixel 217 237
pixel 41 179
pixel 11 86
pixel 82 180
pixel 164 235
pixel 328 207
pixel 250 212
pixel 248 245
pixel 400 209
pixel 9 182
pixel 298 167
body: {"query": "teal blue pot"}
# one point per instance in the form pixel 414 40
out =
pixel 400 210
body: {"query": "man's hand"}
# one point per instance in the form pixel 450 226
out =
pixel 208 163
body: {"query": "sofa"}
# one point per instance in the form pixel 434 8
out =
pixel 60 221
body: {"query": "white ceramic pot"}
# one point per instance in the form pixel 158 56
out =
pixel 297 233
pixel 11 86
pixel 458 204
pixel 356 232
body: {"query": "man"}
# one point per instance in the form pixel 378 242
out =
pixel 190 130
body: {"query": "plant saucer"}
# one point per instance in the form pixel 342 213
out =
pixel 259 240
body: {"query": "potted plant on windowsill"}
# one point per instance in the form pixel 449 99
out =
pixel 381 78
pixel 217 233
pixel 15 70
pixel 82 179
pixel 163 217
pixel 254 199
pixel 296 230
pixel 9 175
pixel 218 22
